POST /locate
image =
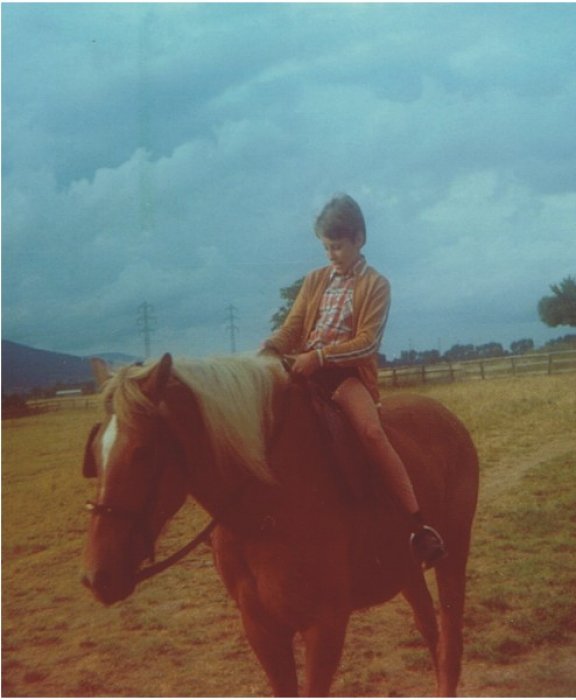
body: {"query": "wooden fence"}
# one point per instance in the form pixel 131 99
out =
pixel 487 368
pixel 64 403
pixel 441 372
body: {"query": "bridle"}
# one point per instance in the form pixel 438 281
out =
pixel 154 569
pixel 141 523
pixel 139 519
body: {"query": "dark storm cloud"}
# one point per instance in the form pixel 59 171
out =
pixel 178 153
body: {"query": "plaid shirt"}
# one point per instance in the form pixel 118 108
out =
pixel 370 305
pixel 334 324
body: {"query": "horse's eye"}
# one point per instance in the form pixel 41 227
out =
pixel 141 453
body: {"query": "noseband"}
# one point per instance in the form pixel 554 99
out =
pixel 139 520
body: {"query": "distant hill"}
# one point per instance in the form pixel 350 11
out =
pixel 117 359
pixel 25 368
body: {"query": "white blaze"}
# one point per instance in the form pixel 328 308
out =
pixel 108 440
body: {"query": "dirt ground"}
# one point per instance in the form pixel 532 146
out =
pixel 180 636
pixel 546 672
pixel 542 673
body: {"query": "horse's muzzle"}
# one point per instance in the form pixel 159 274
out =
pixel 108 589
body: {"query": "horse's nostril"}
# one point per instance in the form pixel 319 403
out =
pixel 101 581
pixel 108 586
pixel 98 582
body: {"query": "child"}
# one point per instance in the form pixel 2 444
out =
pixel 334 329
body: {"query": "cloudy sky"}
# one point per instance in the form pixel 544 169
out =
pixel 177 154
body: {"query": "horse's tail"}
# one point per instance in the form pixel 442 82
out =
pixel 461 501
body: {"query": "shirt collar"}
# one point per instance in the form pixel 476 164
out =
pixel 356 270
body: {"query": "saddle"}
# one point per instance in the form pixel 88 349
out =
pixel 352 469
pixel 353 472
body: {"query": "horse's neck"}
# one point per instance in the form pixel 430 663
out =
pixel 214 488
pixel 299 451
pixel 297 454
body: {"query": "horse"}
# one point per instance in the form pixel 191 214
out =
pixel 296 551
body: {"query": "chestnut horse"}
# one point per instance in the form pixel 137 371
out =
pixel 295 552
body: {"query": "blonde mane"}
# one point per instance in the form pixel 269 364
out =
pixel 123 397
pixel 235 396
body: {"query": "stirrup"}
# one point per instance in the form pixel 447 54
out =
pixel 427 547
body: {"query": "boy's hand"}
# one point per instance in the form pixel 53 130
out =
pixel 306 363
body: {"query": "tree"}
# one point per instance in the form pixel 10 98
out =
pixel 490 350
pixel 289 294
pixel 519 347
pixel 560 309
pixel 419 357
pixel 408 357
pixel 460 352
pixel 568 342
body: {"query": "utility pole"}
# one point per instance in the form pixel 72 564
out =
pixel 147 323
pixel 232 327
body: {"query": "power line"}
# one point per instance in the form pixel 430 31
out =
pixel 232 327
pixel 147 323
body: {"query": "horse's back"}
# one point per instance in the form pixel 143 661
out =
pixel 425 431
pixel 423 416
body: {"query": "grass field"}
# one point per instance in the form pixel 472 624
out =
pixel 179 635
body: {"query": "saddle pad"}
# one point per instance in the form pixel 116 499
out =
pixel 351 465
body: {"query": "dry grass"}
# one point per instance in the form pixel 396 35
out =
pixel 179 635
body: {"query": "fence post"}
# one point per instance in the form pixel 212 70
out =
pixel 482 370
pixel 549 363
pixel 423 374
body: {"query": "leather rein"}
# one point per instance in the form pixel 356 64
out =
pixel 154 568
pixel 139 519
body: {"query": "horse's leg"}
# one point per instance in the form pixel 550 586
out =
pixel 323 642
pixel 273 645
pixel 420 600
pixel 271 641
pixel 451 578
pixel 274 648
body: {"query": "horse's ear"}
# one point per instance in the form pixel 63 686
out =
pixel 100 371
pixel 89 469
pixel 155 383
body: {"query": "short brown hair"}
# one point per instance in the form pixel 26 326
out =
pixel 341 218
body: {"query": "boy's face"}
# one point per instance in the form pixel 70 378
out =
pixel 343 253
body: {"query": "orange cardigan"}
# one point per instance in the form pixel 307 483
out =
pixel 370 306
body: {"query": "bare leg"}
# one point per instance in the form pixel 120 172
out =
pixel 357 403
